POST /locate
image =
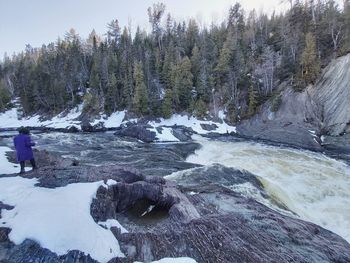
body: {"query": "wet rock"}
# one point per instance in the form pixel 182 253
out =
pixel 215 224
pixel 137 130
pixel 209 127
pixel 73 129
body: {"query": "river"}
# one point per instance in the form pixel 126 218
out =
pixel 312 185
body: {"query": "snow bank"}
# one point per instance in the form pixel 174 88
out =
pixel 7 167
pixel 166 135
pixel 113 223
pixel 173 260
pixel 190 122
pixel 112 121
pixel 11 119
pixel 58 219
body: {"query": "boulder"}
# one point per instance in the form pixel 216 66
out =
pixel 138 131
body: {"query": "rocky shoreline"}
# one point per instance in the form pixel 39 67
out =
pixel 194 216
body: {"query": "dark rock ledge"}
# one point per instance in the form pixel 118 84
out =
pixel 214 224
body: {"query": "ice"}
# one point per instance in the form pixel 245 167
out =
pixel 58 219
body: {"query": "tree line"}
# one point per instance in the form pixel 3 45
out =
pixel 180 66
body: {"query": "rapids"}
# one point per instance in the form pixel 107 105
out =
pixel 312 185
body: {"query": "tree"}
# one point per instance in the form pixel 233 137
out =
pixel 310 62
pixel 167 104
pixel 183 84
pixel 5 97
pixel 253 103
pixel 141 96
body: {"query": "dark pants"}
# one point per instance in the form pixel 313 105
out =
pixel 32 162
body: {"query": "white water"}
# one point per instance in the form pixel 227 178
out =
pixel 310 184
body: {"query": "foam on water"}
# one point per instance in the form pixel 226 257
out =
pixel 310 184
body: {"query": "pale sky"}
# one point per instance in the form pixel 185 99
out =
pixel 38 22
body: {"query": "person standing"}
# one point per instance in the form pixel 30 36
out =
pixel 23 144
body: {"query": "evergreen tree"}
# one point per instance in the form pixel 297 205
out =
pixel 309 61
pixel 141 96
pixel 253 103
pixel 167 104
pixel 183 84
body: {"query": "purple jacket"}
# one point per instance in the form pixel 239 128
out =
pixel 23 145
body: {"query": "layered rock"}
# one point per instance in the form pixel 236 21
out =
pixel 200 217
pixel 302 117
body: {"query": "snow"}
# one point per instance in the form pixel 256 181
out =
pixel 112 121
pixel 194 123
pixel 58 219
pixel 11 119
pixel 6 166
pixel 166 135
pixel 173 260
pixel 113 223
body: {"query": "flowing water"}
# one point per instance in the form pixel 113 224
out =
pixel 312 185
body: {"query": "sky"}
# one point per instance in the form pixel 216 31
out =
pixel 38 22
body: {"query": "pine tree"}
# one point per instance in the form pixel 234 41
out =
pixel 4 95
pixel 310 62
pixel 167 104
pixel 140 98
pixel 252 101
pixel 183 83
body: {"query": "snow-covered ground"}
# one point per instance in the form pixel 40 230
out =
pixel 190 122
pixel 112 121
pixel 12 119
pixel 7 167
pixel 58 219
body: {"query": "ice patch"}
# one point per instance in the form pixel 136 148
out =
pixel 58 219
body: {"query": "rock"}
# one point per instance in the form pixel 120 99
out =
pixel 209 127
pixel 73 129
pixel 214 224
pixel 44 158
pixel 86 126
pixel 290 125
pixel 338 146
pixel 332 94
pixel 138 131
pixel 323 108
pixel 182 133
